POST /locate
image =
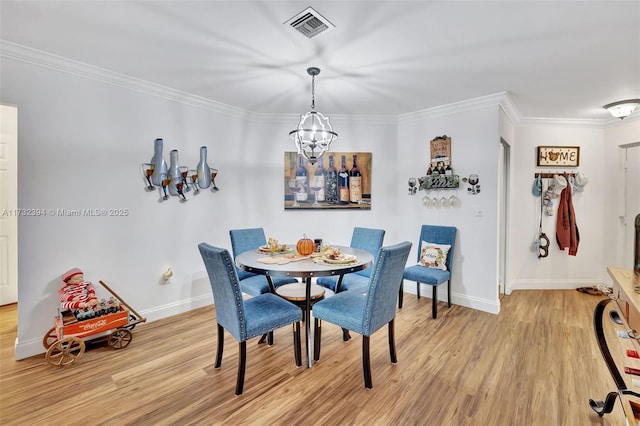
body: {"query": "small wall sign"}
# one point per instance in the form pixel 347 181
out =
pixel 559 156
pixel 440 151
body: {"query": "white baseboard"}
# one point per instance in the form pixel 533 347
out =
pixel 26 349
pixel 551 284
pixel 485 305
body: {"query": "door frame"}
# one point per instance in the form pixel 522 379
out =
pixel 9 204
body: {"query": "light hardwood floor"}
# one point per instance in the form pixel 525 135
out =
pixel 536 363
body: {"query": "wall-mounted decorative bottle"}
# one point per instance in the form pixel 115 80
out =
pixel 204 172
pixel 159 165
pixel 174 174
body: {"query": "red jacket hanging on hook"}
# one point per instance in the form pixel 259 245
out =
pixel 567 234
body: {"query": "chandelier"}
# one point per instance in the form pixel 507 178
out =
pixel 314 133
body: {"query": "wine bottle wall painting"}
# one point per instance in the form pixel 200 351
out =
pixel 341 180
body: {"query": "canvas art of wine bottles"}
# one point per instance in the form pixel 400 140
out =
pixel 338 180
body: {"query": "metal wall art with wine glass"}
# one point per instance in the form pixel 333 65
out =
pixel 175 180
pixel 474 184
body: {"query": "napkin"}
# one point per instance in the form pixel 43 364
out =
pixel 281 260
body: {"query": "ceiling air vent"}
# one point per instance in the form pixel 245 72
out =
pixel 310 23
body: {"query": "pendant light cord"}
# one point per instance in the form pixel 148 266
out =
pixel 313 93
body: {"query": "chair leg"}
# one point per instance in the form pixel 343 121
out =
pixel 449 292
pixel 345 335
pixel 400 294
pixel 270 338
pixel 242 363
pixel 392 342
pixel 317 336
pixel 434 302
pixel 272 288
pixel 297 349
pixel 338 284
pixel 366 362
pixel 220 346
pixel 262 339
pixel 418 289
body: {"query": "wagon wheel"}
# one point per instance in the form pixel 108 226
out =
pixel 120 338
pixel 65 351
pixel 49 338
pixel 132 319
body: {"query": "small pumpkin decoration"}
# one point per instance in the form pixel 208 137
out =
pixel 305 245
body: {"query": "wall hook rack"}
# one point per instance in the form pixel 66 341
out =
pixel 550 175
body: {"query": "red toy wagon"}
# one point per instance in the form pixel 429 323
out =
pixel 64 341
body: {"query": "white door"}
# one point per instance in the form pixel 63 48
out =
pixel 632 201
pixel 8 204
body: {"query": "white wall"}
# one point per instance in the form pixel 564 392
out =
pixel 558 270
pixel 475 146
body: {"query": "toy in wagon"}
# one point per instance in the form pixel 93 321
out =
pixel 83 316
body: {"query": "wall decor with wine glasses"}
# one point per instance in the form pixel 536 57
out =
pixel 440 176
pixel 338 180
pixel 175 180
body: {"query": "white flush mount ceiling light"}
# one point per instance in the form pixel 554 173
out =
pixel 622 109
pixel 314 133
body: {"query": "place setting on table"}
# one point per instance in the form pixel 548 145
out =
pixel 306 248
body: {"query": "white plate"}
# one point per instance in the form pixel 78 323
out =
pixel 343 258
pixel 267 250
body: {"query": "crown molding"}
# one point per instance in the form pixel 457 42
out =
pixel 509 108
pixel 39 58
pixel 614 122
pixel 457 107
pixel 562 122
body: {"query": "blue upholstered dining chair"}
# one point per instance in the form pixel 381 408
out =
pixel 253 284
pixel 365 239
pixel 438 261
pixel 365 313
pixel 245 319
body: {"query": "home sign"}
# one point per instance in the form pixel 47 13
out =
pixel 559 156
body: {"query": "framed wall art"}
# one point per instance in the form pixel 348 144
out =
pixel 559 156
pixel 339 180
pixel 440 151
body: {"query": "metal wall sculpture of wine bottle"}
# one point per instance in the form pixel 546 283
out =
pixel 204 172
pixel 175 179
pixel 159 166
pixel 174 173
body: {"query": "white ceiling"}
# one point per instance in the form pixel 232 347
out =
pixel 557 59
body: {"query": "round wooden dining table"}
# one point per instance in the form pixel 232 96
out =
pixel 306 268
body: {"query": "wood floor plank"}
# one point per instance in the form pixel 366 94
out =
pixel 536 363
